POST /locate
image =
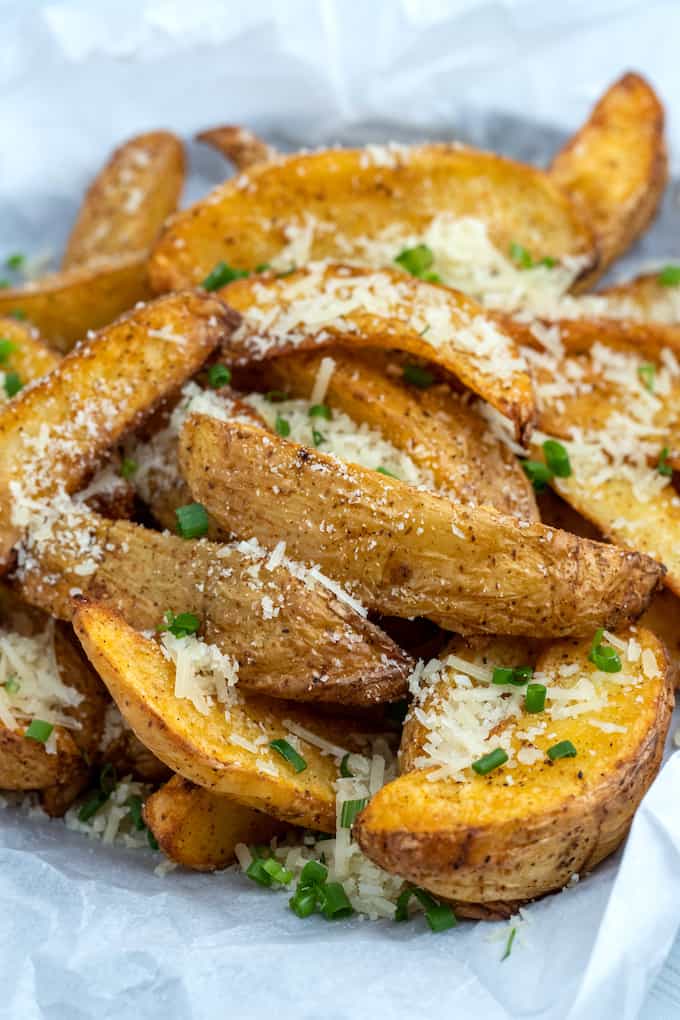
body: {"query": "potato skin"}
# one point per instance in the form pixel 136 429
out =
pixel 488 847
pixel 237 144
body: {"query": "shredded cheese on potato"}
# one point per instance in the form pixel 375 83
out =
pixel 31 685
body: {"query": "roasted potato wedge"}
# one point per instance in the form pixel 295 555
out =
pixel 616 166
pixel 52 434
pixel 65 306
pixel 337 304
pixel 237 144
pixel 406 552
pixel 26 354
pixel 129 200
pixel 209 749
pixel 120 747
pixel 199 829
pixel 291 637
pixel 323 205
pixel 489 846
pixel 648 296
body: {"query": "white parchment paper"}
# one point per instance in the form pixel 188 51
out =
pixel 88 931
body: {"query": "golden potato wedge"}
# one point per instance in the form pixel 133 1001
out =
pixel 616 166
pixel 52 433
pixel 323 205
pixel 438 428
pixel 237 144
pixel 65 306
pixel 338 304
pixel 129 200
pixel 652 296
pixel 199 829
pixel 487 845
pixel 292 637
pixel 212 750
pixel 22 352
pixel 407 552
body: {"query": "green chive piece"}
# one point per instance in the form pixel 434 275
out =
pixel 135 804
pixel 344 765
pixel 39 730
pixel 565 749
pixel 108 778
pixel 520 256
pixel 318 437
pixel 91 806
pixel 647 373
pixel 441 917
pixel 12 685
pixel 282 426
pixel 669 276
pixel 181 625
pixel 515 675
pixel 303 903
pixel 275 396
pixel 192 520
pixel 15 262
pixel 320 411
pixel 219 375
pixel 416 261
pixel 401 910
pixel 262 267
pixel 350 809
pixel 288 752
pixel 19 314
pixel 557 458
pixel 333 901
pixel 128 468
pixel 151 840
pixel 418 376
pixel 277 872
pixel 534 700
pixel 221 275
pixel 12 384
pixel 508 944
pixel 7 347
pixel 313 873
pixel 384 471
pixel 548 261
pixel 604 657
pixel 663 467
pixel 539 474
pixel 431 278
pixel 489 762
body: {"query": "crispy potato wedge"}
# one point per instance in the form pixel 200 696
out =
pixel 29 357
pixel 65 306
pixel 315 648
pixel 199 829
pixel 489 847
pixel 334 304
pixel 406 552
pixel 323 205
pixel 208 749
pixel 237 144
pixel 436 427
pixel 616 166
pixel 652 300
pixel 52 433
pixel 129 200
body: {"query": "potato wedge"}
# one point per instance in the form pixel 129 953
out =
pixel 209 749
pixel 237 144
pixel 26 354
pixel 323 205
pixel 199 830
pixel 406 552
pixel 489 846
pixel 337 304
pixel 121 748
pixel 52 434
pixel 65 306
pixel 436 426
pixel 129 200
pixel 662 617
pixel 616 166
pixel 292 637
pixel 654 300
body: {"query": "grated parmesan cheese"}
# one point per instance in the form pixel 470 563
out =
pixel 203 673
pixel 31 663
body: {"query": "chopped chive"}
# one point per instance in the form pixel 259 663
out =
pixel 7 347
pixel 277 872
pixel 350 809
pixel 219 375
pixel 303 903
pixel 416 261
pixel 384 471
pixel 548 261
pixel 520 256
pixel 135 804
pixel 417 376
pixel 508 944
pixel 604 657
pixel 344 765
pixel 431 278
pixel 441 917
pixel 318 437
pixel 647 373
pixel 282 426
pixel 15 262
pixel 181 625
pixel 313 873
pixel 565 749
pixel 262 267
pixel 489 762
pixel 333 901
pixel 192 520
pixel 320 411
pixel 539 474
pixel 128 468
pixel 534 700
pixel 275 396
pixel 557 458
pixel 39 730
pixel 12 383
pixel 91 806
pixel 221 275
pixel 12 685
pixel 663 467
pixel 288 752
pixel 669 276
pixel 151 840
pixel 19 314
pixel 515 675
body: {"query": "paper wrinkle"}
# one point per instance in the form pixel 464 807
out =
pixel 88 930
